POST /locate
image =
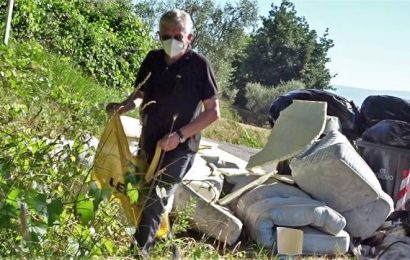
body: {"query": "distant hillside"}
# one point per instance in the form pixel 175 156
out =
pixel 358 95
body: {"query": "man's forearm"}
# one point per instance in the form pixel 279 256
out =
pixel 129 103
pixel 126 106
pixel 206 118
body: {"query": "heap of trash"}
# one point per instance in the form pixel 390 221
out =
pixel 339 180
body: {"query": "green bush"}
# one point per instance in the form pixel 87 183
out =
pixel 57 95
pixel 104 37
pixel 259 98
pixel 48 208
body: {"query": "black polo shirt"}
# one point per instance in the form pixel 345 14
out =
pixel 173 94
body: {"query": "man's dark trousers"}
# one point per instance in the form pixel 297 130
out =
pixel 173 168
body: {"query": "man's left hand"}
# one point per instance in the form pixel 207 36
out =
pixel 169 142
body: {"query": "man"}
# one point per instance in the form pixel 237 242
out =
pixel 178 83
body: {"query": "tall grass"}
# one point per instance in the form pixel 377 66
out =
pixel 233 132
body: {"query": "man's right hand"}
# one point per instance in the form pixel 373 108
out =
pixel 112 107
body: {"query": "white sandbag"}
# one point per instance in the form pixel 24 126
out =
pixel 209 218
pixel 332 171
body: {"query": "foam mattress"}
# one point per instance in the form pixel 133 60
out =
pixel 278 204
pixel 333 172
pixel 316 242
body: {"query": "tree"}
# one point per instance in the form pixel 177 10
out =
pixel 284 49
pixel 219 32
pixel 259 98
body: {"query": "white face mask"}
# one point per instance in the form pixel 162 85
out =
pixel 173 47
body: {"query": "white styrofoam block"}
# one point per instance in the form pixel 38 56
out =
pixel 132 127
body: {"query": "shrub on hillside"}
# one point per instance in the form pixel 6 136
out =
pixel 46 208
pixel 104 37
pixel 259 98
pixel 59 96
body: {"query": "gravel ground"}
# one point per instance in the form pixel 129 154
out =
pixel 239 151
pixel 242 152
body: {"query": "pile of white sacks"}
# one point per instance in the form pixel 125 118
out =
pixel 332 194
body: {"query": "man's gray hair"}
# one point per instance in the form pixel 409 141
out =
pixel 177 18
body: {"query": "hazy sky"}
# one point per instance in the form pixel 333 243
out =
pixel 371 37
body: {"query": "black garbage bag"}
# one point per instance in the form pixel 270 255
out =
pixel 389 132
pixel 377 108
pixel 338 106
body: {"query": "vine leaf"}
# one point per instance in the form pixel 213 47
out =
pixel 132 193
pixel 98 194
pixel 85 209
pixel 54 209
pixel 109 245
pixel 40 204
pixel 7 212
pixel 12 198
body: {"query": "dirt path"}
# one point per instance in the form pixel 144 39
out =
pixel 242 152
pixel 239 151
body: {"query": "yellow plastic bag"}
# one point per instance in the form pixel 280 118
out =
pixel 116 168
